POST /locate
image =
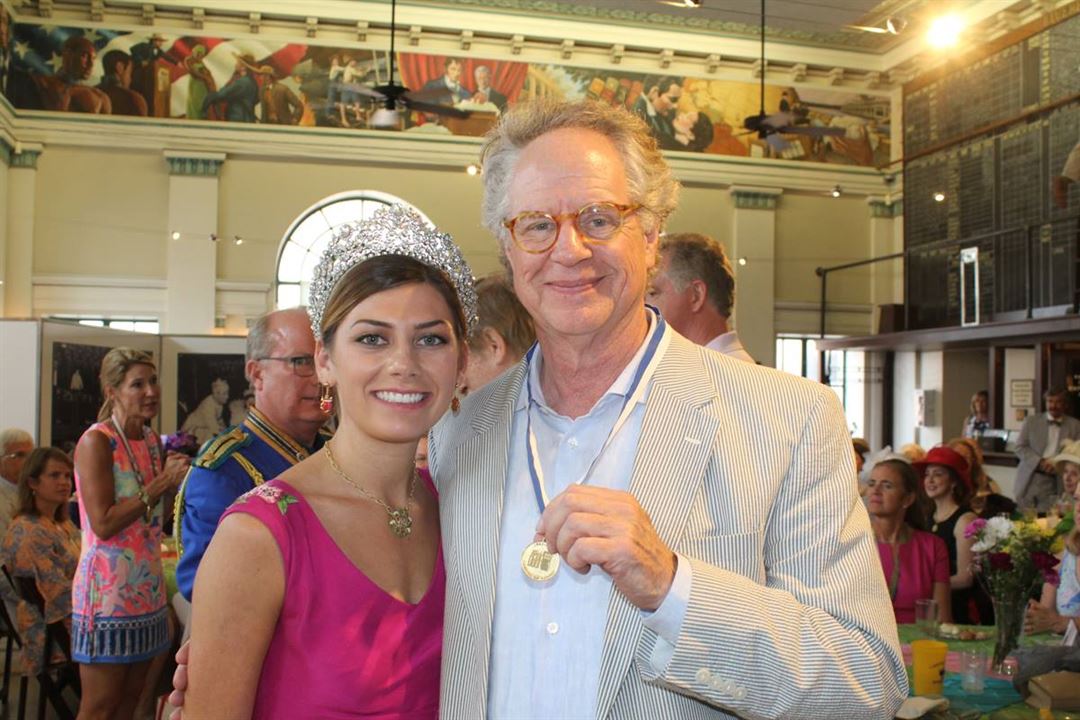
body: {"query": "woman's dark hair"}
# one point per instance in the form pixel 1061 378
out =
pixel 961 492
pixel 32 469
pixel 385 272
pixel 916 513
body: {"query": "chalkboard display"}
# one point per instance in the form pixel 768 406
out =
pixel 977 135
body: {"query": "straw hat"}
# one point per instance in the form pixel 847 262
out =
pixel 1070 453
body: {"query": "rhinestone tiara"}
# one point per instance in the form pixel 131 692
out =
pixel 392 230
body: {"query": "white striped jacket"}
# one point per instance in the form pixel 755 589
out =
pixel 747 471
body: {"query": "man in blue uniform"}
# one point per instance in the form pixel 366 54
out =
pixel 281 429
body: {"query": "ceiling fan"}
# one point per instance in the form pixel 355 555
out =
pixel 766 126
pixel 392 96
pixel 894 25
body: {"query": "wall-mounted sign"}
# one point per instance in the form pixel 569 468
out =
pixel 1022 393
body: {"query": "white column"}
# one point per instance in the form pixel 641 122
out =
pixel 191 259
pixel 886 238
pixel 753 256
pixel 18 246
pixel 5 161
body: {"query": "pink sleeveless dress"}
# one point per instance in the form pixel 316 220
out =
pixel 342 648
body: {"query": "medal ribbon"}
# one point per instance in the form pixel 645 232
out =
pixel 638 385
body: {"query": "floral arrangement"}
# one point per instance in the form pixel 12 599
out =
pixel 1012 559
pixel 181 442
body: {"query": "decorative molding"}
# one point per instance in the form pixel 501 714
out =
pixel 5 153
pixel 685 22
pixel 753 198
pixel 567 49
pixel 24 159
pixel 194 164
pixel 466 40
pixel 666 57
pixel 886 209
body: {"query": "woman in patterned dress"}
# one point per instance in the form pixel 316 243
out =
pixel 125 484
pixel 43 544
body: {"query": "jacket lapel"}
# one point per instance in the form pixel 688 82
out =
pixel 676 440
pixel 471 518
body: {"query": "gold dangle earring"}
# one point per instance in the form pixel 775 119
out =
pixel 455 404
pixel 326 399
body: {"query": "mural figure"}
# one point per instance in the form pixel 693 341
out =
pixel 200 82
pixel 447 89
pixel 241 93
pixel 63 90
pixel 116 83
pixel 657 105
pixel 484 92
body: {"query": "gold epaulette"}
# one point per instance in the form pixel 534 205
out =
pixel 219 449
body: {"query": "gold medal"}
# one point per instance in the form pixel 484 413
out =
pixel 538 563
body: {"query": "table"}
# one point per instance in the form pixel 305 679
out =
pixel 962 707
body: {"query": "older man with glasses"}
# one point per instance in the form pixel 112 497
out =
pixel 15 446
pixel 281 429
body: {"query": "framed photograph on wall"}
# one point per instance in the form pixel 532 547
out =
pixel 207 391
pixel 71 396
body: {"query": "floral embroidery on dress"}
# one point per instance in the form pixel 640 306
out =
pixel 271 494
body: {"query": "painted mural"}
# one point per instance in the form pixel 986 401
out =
pixel 208 79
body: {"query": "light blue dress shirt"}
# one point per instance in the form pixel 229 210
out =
pixel 548 639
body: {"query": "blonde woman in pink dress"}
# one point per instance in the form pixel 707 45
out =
pixel 125 484
pixel 321 594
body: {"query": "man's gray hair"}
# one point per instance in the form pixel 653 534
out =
pixel 651 182
pixel 260 339
pixel 693 256
pixel 14 436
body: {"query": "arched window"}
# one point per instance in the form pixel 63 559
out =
pixel 309 234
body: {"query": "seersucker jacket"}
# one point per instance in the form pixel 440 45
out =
pixel 749 473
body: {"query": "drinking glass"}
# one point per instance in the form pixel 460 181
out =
pixel 972 671
pixel 926 616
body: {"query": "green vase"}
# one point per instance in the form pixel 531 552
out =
pixel 1009 623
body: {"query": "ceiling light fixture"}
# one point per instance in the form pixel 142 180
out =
pixel 939 196
pixel 238 240
pixel 945 31
pixel 472 169
pixel 742 261
pixel 175 235
pixel 835 191
pixel 213 237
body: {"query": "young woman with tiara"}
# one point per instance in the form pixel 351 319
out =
pixel 321 594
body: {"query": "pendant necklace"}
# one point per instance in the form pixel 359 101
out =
pixel 400 521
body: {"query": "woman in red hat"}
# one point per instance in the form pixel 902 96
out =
pixel 948 485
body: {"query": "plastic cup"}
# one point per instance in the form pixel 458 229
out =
pixel 928 661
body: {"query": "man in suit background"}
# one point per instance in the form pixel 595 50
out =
pixel 1041 437
pixel 707 572
pixel 447 88
pixel 695 290
pixel 484 92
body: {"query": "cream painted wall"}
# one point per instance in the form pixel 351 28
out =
pixel 100 213
pixel 1019 365
pixel 966 373
pixel 117 227
pixel 818 230
pixel 260 198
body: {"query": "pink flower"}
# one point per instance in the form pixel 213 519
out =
pixel 974 528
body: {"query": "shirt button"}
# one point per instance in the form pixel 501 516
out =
pixel 572 442
pixel 552 628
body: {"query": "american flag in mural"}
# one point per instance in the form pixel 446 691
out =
pixel 38 53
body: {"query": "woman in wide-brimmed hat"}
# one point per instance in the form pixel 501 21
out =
pixel 948 484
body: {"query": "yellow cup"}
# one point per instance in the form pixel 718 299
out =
pixel 928 660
